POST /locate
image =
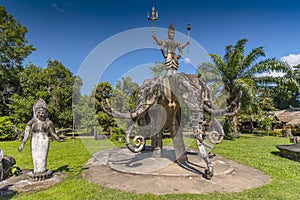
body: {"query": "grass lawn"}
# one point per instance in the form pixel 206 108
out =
pixel 70 156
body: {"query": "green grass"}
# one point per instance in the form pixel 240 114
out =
pixel 256 151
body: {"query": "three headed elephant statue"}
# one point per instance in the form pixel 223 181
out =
pixel 158 107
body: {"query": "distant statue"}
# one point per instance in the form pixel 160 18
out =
pixel 42 130
pixel 168 48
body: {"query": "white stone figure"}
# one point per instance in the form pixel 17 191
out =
pixel 42 130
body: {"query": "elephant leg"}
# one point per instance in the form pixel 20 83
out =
pixel 178 143
pixel 203 154
pixel 197 119
pixel 156 144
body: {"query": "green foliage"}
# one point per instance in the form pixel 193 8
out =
pixel 117 134
pixel 267 133
pixel 122 99
pixel 6 132
pixel 239 73
pixel 126 91
pixel 103 91
pixel 288 94
pixel 265 124
pixel 159 69
pixel 54 84
pixel 85 113
pixel 13 50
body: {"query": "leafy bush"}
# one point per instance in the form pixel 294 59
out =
pixel 117 135
pixel 6 132
pixel 268 133
pixel 265 124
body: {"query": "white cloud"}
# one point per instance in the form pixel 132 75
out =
pixel 58 9
pixel 292 59
pixel 273 74
pixel 187 60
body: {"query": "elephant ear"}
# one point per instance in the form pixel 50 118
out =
pixel 1 155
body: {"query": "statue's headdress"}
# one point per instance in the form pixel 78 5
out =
pixel 39 104
pixel 171 27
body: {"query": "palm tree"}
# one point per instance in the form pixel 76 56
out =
pixel 247 73
pixel 288 94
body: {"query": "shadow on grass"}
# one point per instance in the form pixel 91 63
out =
pixel 286 156
pixel 6 193
pixel 64 168
pixel 276 153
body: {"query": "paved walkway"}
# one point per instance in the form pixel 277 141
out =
pixel 121 169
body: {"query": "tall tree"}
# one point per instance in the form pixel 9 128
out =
pixel 122 98
pixel 240 72
pixel 104 90
pixel 14 48
pixel 85 113
pixel 125 92
pixel 54 84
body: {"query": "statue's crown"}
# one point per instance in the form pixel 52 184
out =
pixel 171 27
pixel 40 104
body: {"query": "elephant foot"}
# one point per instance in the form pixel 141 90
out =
pixel 209 173
pixel 182 159
pixel 156 153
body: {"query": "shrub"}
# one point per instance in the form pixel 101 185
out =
pixel 6 132
pixel 265 124
pixel 267 133
pixel 117 135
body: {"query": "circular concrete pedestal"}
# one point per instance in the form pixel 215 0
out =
pixel 122 160
pixel 139 172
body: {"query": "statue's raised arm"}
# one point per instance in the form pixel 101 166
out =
pixel 157 41
pixel 171 50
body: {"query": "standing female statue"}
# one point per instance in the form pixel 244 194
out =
pixel 42 130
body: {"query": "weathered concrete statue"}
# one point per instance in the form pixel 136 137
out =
pixel 168 94
pixel 42 130
pixel 6 164
pixel 168 48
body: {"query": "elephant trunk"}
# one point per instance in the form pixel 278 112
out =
pixel 138 141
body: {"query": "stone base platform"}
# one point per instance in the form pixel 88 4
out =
pixel 291 151
pixel 23 183
pixel 122 169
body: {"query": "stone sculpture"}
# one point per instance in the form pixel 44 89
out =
pixel 168 48
pixel 42 130
pixel 167 94
pixel 6 164
pixel 186 90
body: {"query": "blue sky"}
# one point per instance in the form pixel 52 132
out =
pixel 70 30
